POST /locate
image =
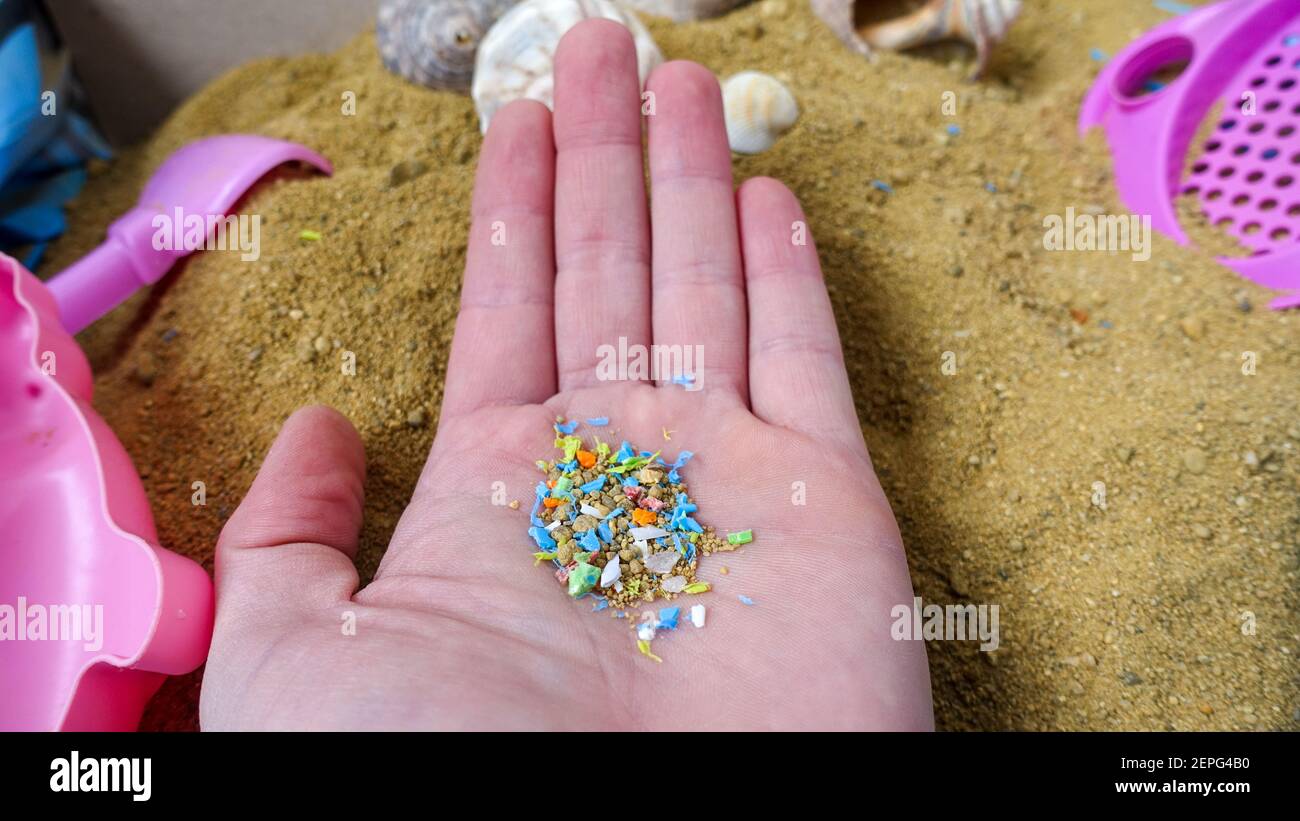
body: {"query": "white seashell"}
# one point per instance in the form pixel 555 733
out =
pixel 433 42
pixel 517 57
pixel 758 109
pixel 982 23
pixel 682 11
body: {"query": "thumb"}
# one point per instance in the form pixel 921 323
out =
pixel 289 546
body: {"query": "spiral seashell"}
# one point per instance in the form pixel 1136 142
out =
pixel 982 23
pixel 434 42
pixel 758 109
pixel 517 57
pixel 682 11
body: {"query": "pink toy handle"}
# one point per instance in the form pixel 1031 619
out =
pixel 107 276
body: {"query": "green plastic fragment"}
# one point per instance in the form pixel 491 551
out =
pixel 582 579
pixel 562 486
pixel 571 446
pixel 310 235
pixel 743 537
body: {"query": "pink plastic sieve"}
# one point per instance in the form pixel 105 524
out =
pixel 1244 54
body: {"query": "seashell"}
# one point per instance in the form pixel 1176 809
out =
pixel 682 11
pixel 433 42
pixel 981 23
pixel 516 58
pixel 758 110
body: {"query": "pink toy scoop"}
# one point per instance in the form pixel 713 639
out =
pixel 205 178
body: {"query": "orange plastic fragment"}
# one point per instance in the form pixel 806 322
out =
pixel 586 458
pixel 644 517
pixel 552 502
pixel 550 483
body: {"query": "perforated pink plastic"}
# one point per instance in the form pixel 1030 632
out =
pixel 1245 56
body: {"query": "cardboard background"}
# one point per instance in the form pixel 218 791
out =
pixel 139 58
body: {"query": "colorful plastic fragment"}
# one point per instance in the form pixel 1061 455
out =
pixel 743 537
pixel 567 427
pixel 668 617
pixel 697 615
pixel 644 647
pixel 582 579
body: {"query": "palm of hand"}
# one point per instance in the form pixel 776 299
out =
pixel 458 629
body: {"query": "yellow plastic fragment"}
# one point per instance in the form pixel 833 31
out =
pixel 698 587
pixel 543 556
pixel 644 647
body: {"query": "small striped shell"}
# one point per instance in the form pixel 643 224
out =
pixel 682 11
pixel 982 23
pixel 433 42
pixel 517 57
pixel 758 110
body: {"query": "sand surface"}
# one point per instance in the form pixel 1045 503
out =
pixel 1071 368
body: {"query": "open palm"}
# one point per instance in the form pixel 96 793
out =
pixel 458 628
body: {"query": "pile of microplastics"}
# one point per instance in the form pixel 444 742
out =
pixel 617 526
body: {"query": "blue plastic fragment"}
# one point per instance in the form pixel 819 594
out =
pixel 1172 7
pixel 620 614
pixel 668 617
pixel 598 421
pixel 990 187
pixel 541 537
pixel 954 129
pixel 684 380
pixel 595 484
pixel 629 481
pixel 625 452
pixel 746 600
pixel 567 467
pixel 589 541
pixel 1098 55
pixel 600 605
pixel 567 427
pixel 617 511
pixel 606 532
pixel 682 458
pixel 1291 40
pixel 881 185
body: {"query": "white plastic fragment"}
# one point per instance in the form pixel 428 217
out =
pixel 646 629
pixel 647 533
pixel 641 547
pixel 590 511
pixel 661 563
pixel 673 584
pixel 553 525
pixel 697 615
pixel 611 572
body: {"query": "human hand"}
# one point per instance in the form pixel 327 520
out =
pixel 458 629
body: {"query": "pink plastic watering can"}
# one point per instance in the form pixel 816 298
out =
pixel 94 613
